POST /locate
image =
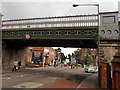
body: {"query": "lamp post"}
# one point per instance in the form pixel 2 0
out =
pixel 96 5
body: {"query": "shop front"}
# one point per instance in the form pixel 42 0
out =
pixel 40 56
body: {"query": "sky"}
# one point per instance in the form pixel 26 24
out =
pixel 66 51
pixel 12 9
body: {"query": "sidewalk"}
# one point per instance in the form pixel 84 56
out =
pixel 8 71
pixel 90 82
pixel 62 83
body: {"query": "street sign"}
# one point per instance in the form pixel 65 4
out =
pixel 27 36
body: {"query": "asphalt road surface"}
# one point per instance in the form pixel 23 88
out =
pixel 40 77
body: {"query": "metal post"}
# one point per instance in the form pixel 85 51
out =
pixel 76 5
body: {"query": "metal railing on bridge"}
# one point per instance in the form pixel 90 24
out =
pixel 60 21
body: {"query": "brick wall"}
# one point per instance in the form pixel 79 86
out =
pixel 103 75
pixel 9 54
pixel 115 75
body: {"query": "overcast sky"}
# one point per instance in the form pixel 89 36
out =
pixel 67 51
pixel 41 8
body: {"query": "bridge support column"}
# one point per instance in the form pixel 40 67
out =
pixel 107 53
pixel 116 70
pixel 105 75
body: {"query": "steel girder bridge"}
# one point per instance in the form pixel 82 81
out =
pixel 63 31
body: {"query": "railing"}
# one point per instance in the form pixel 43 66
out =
pixel 61 21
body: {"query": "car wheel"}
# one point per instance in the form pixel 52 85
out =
pixel 86 71
pixel 90 71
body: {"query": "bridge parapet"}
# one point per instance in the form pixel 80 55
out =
pixel 61 21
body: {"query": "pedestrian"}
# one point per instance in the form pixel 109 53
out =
pixel 15 64
pixel 19 64
pixel 55 64
pixel 72 62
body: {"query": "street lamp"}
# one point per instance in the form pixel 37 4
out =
pixel 75 5
pixel 97 5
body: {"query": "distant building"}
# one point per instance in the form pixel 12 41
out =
pixel 40 56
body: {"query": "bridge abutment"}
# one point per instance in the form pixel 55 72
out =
pixel 10 52
pixel 107 52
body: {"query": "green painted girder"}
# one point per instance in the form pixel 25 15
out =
pixel 52 37
pixel 83 34
pixel 51 33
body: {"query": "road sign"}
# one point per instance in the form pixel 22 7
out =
pixel 27 36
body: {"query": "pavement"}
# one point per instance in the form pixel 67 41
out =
pixel 91 81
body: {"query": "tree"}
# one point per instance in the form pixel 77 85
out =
pixel 88 60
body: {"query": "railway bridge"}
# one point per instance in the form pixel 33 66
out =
pixel 83 31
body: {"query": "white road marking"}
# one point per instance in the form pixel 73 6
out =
pixel 28 85
pixel 6 78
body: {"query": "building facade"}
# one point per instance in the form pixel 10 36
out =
pixel 40 56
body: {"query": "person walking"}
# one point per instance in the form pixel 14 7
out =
pixel 15 63
pixel 72 62
pixel 19 64
pixel 55 64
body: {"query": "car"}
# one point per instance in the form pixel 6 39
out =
pixel 91 69
pixel 65 64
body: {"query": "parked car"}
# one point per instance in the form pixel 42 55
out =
pixel 91 69
pixel 65 64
